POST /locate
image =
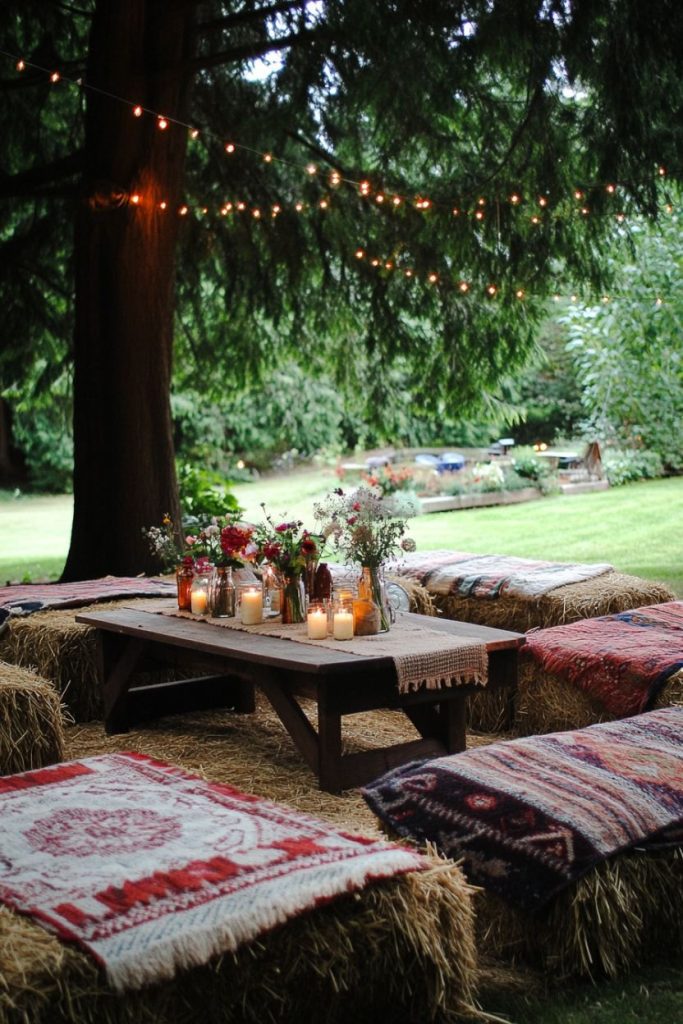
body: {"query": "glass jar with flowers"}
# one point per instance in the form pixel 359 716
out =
pixel 366 528
pixel 291 550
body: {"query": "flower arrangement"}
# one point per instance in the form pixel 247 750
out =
pixel 389 479
pixel 366 526
pixel 222 541
pixel 287 545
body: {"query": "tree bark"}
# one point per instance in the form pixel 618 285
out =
pixel 124 478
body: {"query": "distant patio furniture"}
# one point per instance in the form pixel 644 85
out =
pixel 427 459
pixel 451 462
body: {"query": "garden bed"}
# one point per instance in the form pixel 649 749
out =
pixel 446 502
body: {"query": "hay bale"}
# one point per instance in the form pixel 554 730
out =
pixel 31 734
pixel 603 595
pixel 549 703
pixel 65 652
pixel 401 950
pixel 625 913
pixel 62 651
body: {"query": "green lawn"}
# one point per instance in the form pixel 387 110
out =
pixel 637 527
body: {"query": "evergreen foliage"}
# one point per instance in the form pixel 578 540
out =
pixel 452 100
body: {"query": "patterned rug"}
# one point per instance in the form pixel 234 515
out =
pixel 25 598
pixel 489 576
pixel 152 869
pixel 621 660
pixel 531 816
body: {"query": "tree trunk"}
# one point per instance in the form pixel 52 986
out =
pixel 124 476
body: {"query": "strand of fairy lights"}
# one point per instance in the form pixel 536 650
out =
pixel 468 288
pixel 380 198
pixel 476 209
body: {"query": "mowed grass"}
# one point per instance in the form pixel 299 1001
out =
pixel 638 527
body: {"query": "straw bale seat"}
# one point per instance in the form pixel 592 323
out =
pixel 604 595
pixel 62 651
pixel 575 838
pixel 31 734
pixel 401 949
pixel 601 669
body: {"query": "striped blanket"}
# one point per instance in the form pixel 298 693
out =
pixel 533 815
pixel 455 573
pixel 621 660
pixel 25 598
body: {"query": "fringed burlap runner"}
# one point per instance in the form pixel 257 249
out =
pixel 423 657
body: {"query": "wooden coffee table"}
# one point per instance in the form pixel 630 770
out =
pixel 340 683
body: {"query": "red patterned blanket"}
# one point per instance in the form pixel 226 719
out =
pixel 22 599
pixel 533 815
pixel 151 869
pixel 622 660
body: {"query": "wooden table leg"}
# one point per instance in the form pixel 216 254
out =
pixel 329 746
pixel 118 658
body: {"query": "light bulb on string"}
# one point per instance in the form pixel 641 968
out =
pixel 162 123
pixel 136 198
pixel 229 147
pixel 194 133
pixel 137 110
pixel 54 77
pixel 268 158
pixel 360 254
pixel 183 211
pixel 21 65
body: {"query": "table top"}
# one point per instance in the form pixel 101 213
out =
pixel 273 651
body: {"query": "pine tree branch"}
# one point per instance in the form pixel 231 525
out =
pixel 245 17
pixel 254 50
pixel 37 179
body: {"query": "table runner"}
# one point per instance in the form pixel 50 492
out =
pixel 151 869
pixel 423 657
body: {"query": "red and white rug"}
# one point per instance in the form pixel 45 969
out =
pixel 152 869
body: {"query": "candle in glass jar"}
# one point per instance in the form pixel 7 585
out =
pixel 251 607
pixel 317 624
pixel 199 602
pixel 343 624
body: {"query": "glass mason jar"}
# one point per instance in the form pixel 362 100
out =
pixel 293 599
pixel 184 575
pixel 272 589
pixel 223 593
pixel 371 588
pixel 200 593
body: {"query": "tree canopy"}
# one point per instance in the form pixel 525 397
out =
pixel 405 183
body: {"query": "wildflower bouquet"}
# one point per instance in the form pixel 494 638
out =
pixel 287 545
pixel 224 541
pixel 366 527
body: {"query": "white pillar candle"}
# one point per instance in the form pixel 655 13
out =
pixel 251 607
pixel 317 624
pixel 343 625
pixel 199 602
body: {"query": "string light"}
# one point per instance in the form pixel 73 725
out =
pixel 183 211
pixel 136 199
pixel 395 200
pixel 360 254
pixel 162 205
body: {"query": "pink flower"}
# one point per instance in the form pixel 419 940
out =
pixel 351 520
pixel 356 506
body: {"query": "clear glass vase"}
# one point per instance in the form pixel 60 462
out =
pixel 293 599
pixel 371 588
pixel 200 592
pixel 223 593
